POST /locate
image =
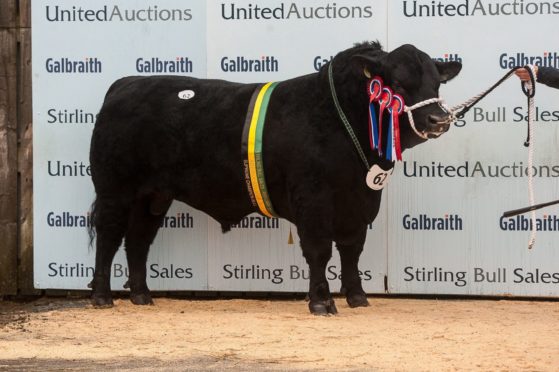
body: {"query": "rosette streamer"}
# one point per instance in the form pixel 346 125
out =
pixel 374 90
pixel 394 149
pixel 384 97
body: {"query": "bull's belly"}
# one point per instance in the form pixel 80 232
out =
pixel 226 202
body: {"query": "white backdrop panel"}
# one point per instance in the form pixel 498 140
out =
pixel 464 180
pixel 472 174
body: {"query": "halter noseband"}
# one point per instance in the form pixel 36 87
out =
pixel 408 109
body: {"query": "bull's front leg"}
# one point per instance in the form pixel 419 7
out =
pixel 317 253
pixel 351 281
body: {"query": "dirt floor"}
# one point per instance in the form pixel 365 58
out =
pixel 273 335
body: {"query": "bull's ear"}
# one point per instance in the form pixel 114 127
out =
pixel 367 65
pixel 448 70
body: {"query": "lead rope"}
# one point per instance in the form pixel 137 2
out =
pixel 461 109
pixel 529 89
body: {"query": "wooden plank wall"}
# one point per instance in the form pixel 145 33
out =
pixel 16 193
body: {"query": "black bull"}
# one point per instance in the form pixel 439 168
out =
pixel 149 147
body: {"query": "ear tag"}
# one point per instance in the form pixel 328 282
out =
pixel 377 177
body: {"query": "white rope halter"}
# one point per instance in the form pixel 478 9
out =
pixel 408 109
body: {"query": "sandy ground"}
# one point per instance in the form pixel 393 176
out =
pixel 245 335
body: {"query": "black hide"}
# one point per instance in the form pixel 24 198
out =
pixel 149 147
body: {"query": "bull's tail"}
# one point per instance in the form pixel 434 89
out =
pixel 91 227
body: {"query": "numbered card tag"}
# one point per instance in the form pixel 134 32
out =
pixel 186 94
pixel 377 177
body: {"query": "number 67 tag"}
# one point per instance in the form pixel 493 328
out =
pixel 377 177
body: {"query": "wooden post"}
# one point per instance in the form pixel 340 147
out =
pixel 16 156
pixel 25 153
pixel 8 147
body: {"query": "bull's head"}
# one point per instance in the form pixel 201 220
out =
pixel 416 77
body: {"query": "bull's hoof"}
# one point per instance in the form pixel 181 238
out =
pixel 357 300
pixel 323 308
pixel 102 301
pixel 141 299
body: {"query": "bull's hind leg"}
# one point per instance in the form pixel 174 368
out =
pixel 317 253
pixel 145 218
pixel 110 219
pixel 351 281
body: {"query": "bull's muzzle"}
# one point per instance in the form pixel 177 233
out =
pixel 438 124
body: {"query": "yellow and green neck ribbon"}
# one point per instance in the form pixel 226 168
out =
pixel 252 149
